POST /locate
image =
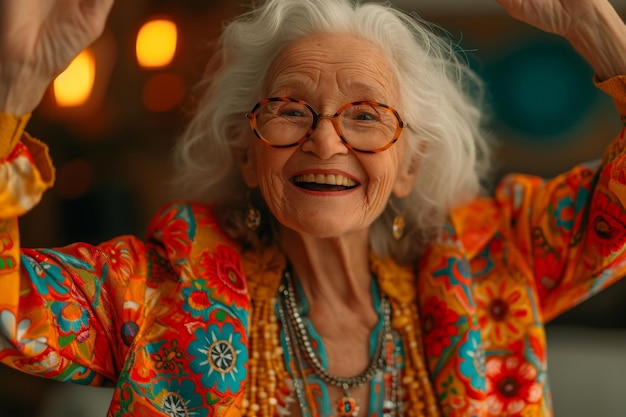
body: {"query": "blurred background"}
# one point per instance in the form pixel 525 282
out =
pixel 112 118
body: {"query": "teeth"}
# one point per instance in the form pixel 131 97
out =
pixel 329 179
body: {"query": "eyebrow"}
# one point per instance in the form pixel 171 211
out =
pixel 368 91
pixel 291 84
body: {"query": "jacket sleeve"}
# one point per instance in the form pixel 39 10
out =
pixel 572 229
pixel 67 313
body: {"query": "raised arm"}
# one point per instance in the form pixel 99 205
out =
pixel 570 229
pixel 61 310
pixel 593 27
pixel 38 39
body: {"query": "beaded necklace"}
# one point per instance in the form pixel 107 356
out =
pixel 300 340
pixel 269 386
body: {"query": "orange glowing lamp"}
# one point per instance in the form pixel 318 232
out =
pixel 156 43
pixel 73 87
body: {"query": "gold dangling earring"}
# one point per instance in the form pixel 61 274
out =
pixel 399 224
pixel 253 215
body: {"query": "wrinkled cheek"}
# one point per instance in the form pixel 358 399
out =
pixel 378 193
pixel 273 191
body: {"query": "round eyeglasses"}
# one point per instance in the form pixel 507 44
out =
pixel 364 126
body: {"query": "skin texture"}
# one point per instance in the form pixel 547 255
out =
pixel 38 39
pixel 593 28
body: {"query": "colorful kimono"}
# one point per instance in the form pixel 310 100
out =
pixel 165 319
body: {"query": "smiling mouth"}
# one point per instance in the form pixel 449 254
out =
pixel 324 182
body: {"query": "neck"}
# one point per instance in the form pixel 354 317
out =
pixel 332 271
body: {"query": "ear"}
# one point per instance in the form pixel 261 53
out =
pixel 248 167
pixel 406 178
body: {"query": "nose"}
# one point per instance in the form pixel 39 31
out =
pixel 325 140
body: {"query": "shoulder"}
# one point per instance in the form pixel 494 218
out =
pixel 185 230
pixel 183 220
pixel 476 223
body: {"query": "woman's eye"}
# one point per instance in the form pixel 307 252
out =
pixel 293 113
pixel 361 113
pixel 365 116
pixel 291 110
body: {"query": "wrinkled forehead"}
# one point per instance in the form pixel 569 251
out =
pixel 353 65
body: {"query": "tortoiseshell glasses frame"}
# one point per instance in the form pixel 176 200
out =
pixel 371 126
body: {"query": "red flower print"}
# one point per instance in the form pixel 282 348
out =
pixel 614 168
pixel 172 228
pixel 120 257
pixel 439 323
pixel 141 369
pixel 607 231
pixel 511 386
pixel 223 271
pixel 547 271
pixel 159 266
pixel 205 218
pixel 199 300
pixel 503 310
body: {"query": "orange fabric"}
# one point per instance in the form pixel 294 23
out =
pixel 149 314
pixel 11 130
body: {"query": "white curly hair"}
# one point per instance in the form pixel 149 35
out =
pixel 440 96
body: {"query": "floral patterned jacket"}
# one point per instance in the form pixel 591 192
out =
pixel 165 319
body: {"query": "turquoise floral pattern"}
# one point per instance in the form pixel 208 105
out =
pixel 472 361
pixel 47 278
pixel 198 301
pixel 220 357
pixel 179 398
pixel 72 317
pixel 564 214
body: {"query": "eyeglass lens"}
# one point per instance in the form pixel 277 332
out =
pixel 364 126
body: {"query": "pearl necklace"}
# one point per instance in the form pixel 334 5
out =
pixel 383 358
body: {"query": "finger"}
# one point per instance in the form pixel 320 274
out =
pixel 96 11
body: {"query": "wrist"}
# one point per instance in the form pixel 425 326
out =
pixel 20 92
pixel 600 37
pixel 11 131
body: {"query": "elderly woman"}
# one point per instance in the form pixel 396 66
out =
pixel 337 259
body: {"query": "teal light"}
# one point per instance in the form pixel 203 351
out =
pixel 541 89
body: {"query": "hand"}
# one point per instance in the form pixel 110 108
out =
pixel 593 27
pixel 561 17
pixel 38 39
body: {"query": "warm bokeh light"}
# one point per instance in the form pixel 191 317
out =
pixel 74 178
pixel 156 43
pixel 163 92
pixel 73 87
